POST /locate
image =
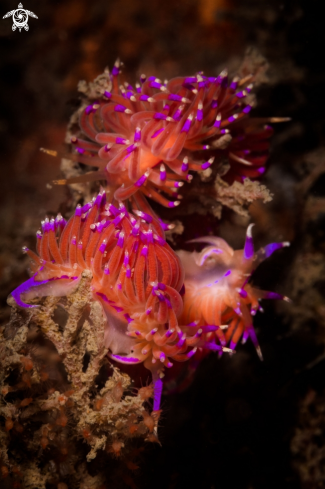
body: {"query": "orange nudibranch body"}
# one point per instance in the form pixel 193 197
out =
pixel 145 139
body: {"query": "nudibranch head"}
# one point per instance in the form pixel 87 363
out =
pixel 144 139
pixel 217 288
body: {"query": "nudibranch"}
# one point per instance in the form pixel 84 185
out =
pixel 136 277
pixel 218 291
pixel 144 139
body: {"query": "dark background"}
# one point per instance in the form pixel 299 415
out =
pixel 235 426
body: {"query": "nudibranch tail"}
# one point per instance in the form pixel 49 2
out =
pixel 218 292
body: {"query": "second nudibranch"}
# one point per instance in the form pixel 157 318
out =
pixel 218 292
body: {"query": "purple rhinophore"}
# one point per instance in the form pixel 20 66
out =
pixel 247 109
pixel 89 109
pixel 190 79
pixel 24 287
pixel 162 174
pixel 119 108
pixel 184 166
pixel 120 358
pixel 244 337
pixel 120 140
pixel 241 94
pixel 163 225
pixel 118 309
pixel 102 247
pixel 113 210
pixel 135 231
pixel 156 133
pixel 150 236
pixel 155 84
pixel 141 180
pixel 273 295
pixel 242 293
pixel 191 353
pixel 128 318
pixel 160 116
pixel 187 125
pixel 209 328
pixel 217 121
pixel 126 259
pixel 144 251
pixel 249 245
pixel 212 346
pixel 144 215
pixel 178 114
pixel 172 204
pixel 120 241
pixel 129 94
pixel 131 148
pixel 86 207
pixel 100 226
pixel 205 165
pixel 159 239
pixel 174 97
pixel 160 296
pixel 137 135
pixel 227 273
pixel 157 391
pixel 144 98
pixel 98 200
pixel 115 70
pixel 199 115
pixel 181 342
pixel 272 247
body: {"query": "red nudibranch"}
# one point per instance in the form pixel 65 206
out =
pixel 139 280
pixel 145 139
